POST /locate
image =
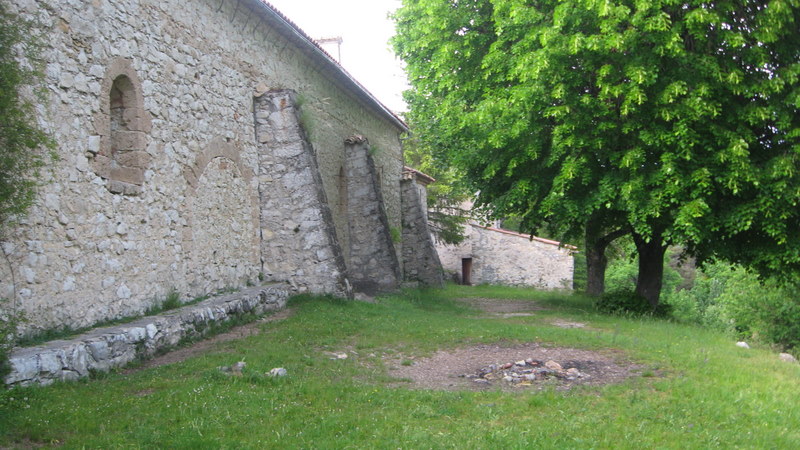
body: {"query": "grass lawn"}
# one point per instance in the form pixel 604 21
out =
pixel 697 389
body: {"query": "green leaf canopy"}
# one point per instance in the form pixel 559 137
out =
pixel 679 116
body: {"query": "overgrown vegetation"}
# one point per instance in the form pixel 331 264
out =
pixel 447 216
pixel 680 401
pixel 25 147
pixel 23 142
pixel 720 296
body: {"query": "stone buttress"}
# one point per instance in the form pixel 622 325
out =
pixel 372 260
pixel 298 239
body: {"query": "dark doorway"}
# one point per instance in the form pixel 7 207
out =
pixel 466 271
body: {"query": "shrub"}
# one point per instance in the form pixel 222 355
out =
pixel 764 311
pixel 729 298
pixel 626 301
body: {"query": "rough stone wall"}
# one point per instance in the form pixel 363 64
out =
pixel 103 349
pixel 298 239
pixel 108 237
pixel 420 259
pixel 508 258
pixel 371 257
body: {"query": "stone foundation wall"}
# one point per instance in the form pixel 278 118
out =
pixel 103 349
pixel 157 186
pixel 509 258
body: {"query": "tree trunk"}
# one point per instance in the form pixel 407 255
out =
pixel 597 241
pixel 651 267
pixel 596 262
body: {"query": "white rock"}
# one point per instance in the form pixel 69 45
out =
pixel 278 372
pixel 151 330
pixel 786 357
pixel 742 344
pixel 123 292
pixel 68 285
pixel 93 144
pixel 28 274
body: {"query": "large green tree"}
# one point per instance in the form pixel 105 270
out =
pixel 672 121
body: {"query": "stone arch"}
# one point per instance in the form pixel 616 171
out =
pixel 122 125
pixel 220 240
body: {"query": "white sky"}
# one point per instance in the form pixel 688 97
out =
pixel 365 30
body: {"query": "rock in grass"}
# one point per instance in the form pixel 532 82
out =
pixel 235 369
pixel 277 372
pixel 786 357
pixel 742 344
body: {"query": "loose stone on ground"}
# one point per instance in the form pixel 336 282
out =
pixel 513 367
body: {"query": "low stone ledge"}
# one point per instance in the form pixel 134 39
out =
pixel 105 348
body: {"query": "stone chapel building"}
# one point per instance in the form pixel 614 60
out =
pixel 205 145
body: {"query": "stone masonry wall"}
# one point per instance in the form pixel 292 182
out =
pixel 372 261
pixel 509 258
pixel 420 260
pixel 103 349
pixel 298 237
pixel 151 104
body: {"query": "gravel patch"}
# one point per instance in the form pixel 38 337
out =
pixel 460 369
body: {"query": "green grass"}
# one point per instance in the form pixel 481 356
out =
pixel 697 390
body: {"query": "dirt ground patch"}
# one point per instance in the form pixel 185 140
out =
pixel 203 346
pixel 504 367
pixel 505 308
pixel 462 368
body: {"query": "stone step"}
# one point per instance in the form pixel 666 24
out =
pixel 103 349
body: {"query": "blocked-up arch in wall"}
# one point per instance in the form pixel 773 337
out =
pixel 222 220
pixel 122 125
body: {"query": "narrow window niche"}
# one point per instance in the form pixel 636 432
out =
pixel 123 126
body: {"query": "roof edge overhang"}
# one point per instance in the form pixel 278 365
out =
pixel 528 236
pixel 327 64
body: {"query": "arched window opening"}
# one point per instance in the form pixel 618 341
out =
pixel 122 125
pixel 121 103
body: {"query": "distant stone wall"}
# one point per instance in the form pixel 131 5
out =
pixel 508 258
pixel 158 182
